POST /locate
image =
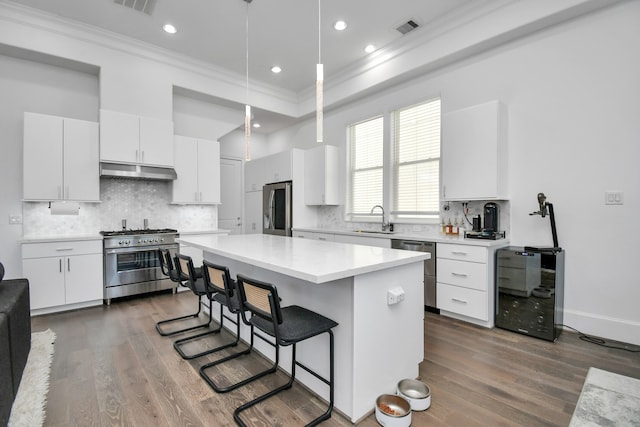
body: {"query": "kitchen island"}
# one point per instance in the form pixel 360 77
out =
pixel 376 343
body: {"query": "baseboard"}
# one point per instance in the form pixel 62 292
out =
pixel 603 326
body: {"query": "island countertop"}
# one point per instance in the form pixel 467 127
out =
pixel 310 260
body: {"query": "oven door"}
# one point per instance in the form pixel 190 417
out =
pixel 124 266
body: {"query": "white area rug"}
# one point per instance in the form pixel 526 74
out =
pixel 29 405
pixel 607 399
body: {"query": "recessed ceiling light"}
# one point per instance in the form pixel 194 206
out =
pixel 340 25
pixel 276 69
pixel 169 28
pixel 256 125
pixel 369 48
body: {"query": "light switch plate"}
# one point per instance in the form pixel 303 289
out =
pixel 613 197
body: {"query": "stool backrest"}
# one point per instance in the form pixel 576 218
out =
pixel 260 298
pixel 187 272
pixel 218 279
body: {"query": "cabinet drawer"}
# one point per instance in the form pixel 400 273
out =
pixel 464 301
pixel 328 237
pixel 468 274
pixel 462 252
pixel 63 248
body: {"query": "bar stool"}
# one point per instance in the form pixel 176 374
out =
pixel 220 288
pixel 169 269
pixel 289 326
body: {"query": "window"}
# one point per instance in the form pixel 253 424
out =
pixel 366 155
pixel 411 151
pixel 416 161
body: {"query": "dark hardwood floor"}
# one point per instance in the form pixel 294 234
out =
pixel 111 368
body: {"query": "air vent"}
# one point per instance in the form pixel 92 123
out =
pixel 408 26
pixel 145 6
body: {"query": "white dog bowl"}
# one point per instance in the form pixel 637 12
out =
pixel 393 411
pixel 417 393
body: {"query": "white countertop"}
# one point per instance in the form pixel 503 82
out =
pixel 311 260
pixel 60 238
pixel 403 236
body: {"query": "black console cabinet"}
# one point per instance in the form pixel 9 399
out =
pixel 530 291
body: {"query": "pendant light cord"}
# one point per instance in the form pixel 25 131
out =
pixel 319 32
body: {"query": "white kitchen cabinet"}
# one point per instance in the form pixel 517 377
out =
pixel 253 212
pixel 197 164
pixel 64 274
pixel 273 168
pixel 133 139
pixel 321 176
pixel 60 159
pixel 474 153
pixel 465 282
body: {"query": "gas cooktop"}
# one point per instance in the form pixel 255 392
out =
pixel 137 232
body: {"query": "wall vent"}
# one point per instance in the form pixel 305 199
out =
pixel 408 26
pixel 145 6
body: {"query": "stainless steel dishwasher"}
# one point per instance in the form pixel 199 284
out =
pixel 429 268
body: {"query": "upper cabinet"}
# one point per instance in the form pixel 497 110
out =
pixel 320 176
pixel 474 153
pixel 60 159
pixel 197 163
pixel 268 169
pixel 134 139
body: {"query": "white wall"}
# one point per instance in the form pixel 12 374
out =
pixel 573 99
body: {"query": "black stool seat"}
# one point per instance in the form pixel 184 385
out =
pixel 298 324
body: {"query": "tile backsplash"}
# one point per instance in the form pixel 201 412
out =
pixel 132 200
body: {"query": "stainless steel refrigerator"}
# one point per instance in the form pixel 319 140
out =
pixel 276 208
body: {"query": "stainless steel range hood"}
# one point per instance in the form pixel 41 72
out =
pixel 125 171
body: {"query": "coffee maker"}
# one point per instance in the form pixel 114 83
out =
pixel 490 217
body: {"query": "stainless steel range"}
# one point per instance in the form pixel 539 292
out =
pixel 131 263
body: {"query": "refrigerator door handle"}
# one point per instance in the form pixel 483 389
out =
pixel 272 195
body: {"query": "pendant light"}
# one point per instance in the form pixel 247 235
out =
pixel 319 81
pixel 247 107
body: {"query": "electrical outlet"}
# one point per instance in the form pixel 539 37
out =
pixel 613 197
pixel 395 295
pixel 15 219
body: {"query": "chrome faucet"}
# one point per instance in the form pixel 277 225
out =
pixel 384 224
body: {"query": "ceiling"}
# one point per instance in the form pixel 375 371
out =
pixel 281 32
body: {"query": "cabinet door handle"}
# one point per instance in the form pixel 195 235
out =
pixel 68 264
pixel 453 273
pixel 142 160
pixel 459 253
pixel 322 238
pixel 459 300
pixel 60 262
pixel 63 249
pixel 136 155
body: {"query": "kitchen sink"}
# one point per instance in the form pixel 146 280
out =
pixel 374 232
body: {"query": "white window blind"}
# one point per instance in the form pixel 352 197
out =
pixel 366 165
pixel 416 160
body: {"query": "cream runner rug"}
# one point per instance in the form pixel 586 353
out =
pixel 607 399
pixel 29 405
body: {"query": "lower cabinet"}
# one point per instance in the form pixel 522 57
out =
pixel 465 280
pixel 63 273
